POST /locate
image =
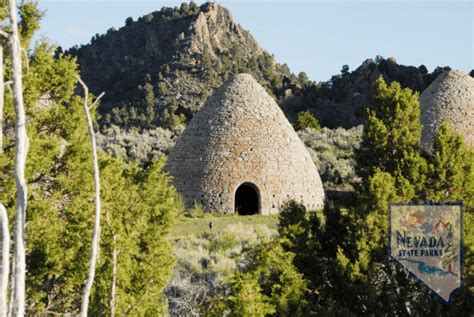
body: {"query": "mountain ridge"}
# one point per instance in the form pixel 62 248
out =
pixel 166 63
pixel 159 70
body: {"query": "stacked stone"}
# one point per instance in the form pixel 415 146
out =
pixel 242 136
pixel 449 98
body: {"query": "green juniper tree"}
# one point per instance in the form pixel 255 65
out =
pixel 392 170
pixel 268 283
pixel 343 254
pixel 55 156
pixel 451 169
pixel 247 298
pixel 391 140
pixel 59 218
pixel 139 207
pixel 306 120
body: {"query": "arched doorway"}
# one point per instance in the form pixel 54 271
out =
pixel 247 199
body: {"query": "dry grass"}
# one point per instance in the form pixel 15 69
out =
pixel 186 227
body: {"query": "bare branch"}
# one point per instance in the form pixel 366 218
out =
pixel 86 95
pixel 97 100
pixel 86 91
pixel 5 34
pixel 94 253
pixel 83 84
pixel 49 312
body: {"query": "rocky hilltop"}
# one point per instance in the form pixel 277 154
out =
pixel 159 70
pixel 342 100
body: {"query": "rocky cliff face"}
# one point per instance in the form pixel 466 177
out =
pixel 160 69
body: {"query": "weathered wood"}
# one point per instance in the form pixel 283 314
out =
pixel 21 141
pixel 5 269
pixel 2 96
pixel 94 254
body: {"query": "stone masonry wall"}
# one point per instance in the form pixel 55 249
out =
pixel 241 135
pixel 449 98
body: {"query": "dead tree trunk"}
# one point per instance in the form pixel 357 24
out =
pixel 114 277
pixel 2 96
pixel 21 140
pixel 5 270
pixel 12 288
pixel 94 255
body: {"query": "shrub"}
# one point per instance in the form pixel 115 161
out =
pixel 196 212
pixel 206 263
pixel 332 151
pixel 133 145
pixel 305 120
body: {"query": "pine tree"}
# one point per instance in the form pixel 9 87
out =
pixel 306 120
pixel 59 206
pixel 139 208
pixel 391 139
pixel 268 283
pixel 451 169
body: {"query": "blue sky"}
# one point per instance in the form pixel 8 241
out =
pixel 317 37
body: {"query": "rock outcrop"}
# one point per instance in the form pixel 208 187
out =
pixel 160 69
pixel 242 138
pixel 168 62
pixel 342 101
pixel 449 98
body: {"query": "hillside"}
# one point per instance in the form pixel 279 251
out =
pixel 157 71
pixel 342 100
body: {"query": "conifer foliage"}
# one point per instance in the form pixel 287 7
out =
pixel 342 251
pixel 139 209
pixel 392 169
pixel 59 217
pixel 305 120
pixel 451 169
pixel 391 139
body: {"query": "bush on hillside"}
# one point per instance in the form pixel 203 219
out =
pixel 133 145
pixel 305 120
pixel 332 151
